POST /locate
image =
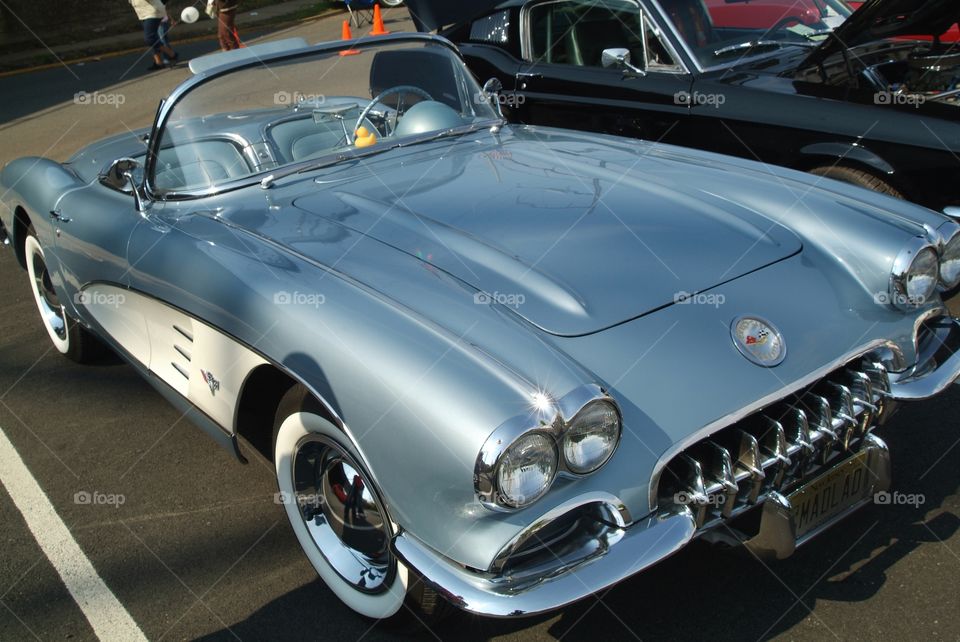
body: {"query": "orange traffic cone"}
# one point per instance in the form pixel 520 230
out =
pixel 378 28
pixel 346 35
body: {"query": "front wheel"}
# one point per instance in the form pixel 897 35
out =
pixel 68 336
pixel 392 3
pixel 335 509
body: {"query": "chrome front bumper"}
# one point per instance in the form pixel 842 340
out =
pixel 620 552
pixel 623 552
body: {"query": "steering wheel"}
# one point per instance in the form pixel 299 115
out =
pixel 399 89
pixel 783 23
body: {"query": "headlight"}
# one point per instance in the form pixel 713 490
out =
pixel 592 437
pixel 571 436
pixel 527 469
pixel 950 263
pixel 916 272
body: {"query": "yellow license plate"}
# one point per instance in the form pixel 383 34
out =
pixel 830 494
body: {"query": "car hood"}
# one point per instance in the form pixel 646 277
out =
pixel 432 14
pixel 879 19
pixel 573 233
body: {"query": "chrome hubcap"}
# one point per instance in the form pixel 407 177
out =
pixel 343 515
pixel 50 308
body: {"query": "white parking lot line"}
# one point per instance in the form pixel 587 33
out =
pixel 109 619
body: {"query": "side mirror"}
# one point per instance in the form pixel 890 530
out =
pixel 491 94
pixel 619 58
pixel 120 176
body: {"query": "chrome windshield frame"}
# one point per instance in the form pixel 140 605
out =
pixel 168 104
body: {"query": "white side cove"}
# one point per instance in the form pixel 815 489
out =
pixel 204 365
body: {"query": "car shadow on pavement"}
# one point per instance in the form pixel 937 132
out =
pixel 708 593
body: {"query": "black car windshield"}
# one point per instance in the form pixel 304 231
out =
pixel 720 31
pixel 313 110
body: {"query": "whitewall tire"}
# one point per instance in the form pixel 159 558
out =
pixel 335 510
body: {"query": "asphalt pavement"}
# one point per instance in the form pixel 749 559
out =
pixel 193 546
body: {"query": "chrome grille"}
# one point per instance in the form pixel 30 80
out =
pixel 778 448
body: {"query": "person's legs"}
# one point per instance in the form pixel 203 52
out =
pixel 152 38
pixel 226 30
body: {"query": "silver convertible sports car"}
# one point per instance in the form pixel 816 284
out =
pixel 502 367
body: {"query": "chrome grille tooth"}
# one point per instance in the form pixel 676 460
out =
pixel 773 447
pixel 695 486
pixel 797 432
pixel 880 379
pixel 821 417
pixel 841 402
pixel 721 470
pixel 862 389
pixel 748 461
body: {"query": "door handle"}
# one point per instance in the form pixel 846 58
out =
pixel 57 216
pixel 524 76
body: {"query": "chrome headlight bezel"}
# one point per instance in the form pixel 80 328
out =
pixel 949 235
pixel 549 418
pixel 904 266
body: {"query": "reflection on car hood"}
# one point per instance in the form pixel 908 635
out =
pixel 432 14
pixel 879 19
pixel 575 234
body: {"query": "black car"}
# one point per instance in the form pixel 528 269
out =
pixel 870 97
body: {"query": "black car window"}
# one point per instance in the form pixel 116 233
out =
pixel 494 28
pixel 575 32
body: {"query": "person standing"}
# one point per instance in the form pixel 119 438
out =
pixel 151 13
pixel 227 25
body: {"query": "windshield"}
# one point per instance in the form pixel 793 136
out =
pixel 313 108
pixel 721 31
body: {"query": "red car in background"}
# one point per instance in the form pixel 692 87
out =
pixel 951 35
pixel 774 14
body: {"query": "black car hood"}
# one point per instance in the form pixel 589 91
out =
pixel 880 19
pixel 432 14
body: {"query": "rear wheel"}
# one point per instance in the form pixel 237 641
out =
pixel 68 336
pixel 857 177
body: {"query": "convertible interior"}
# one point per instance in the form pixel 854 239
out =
pixel 411 91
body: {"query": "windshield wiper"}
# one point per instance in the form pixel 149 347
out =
pixel 378 148
pixel 757 44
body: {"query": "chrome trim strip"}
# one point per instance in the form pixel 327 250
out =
pixel 637 548
pixel 752 408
